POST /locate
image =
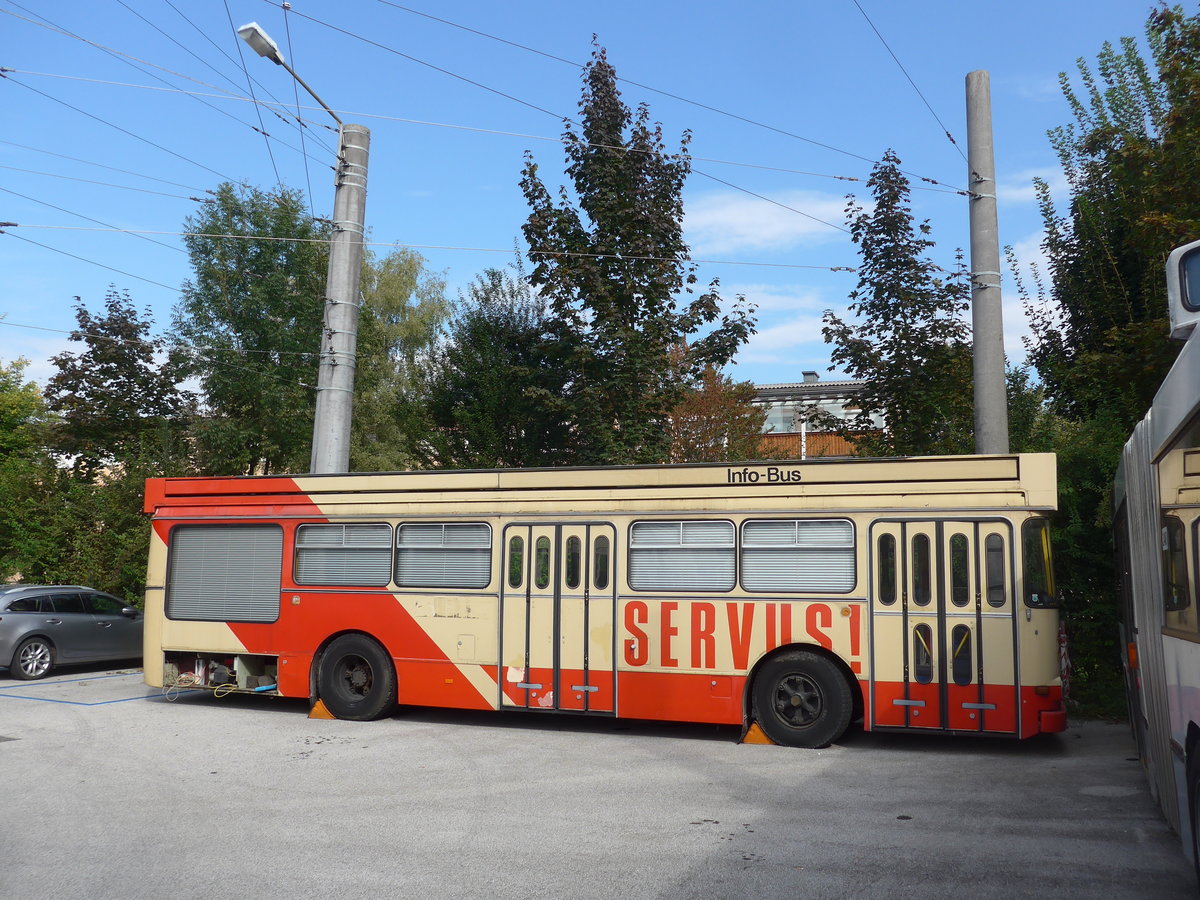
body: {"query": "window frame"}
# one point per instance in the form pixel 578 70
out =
pixel 297 549
pixel 632 549
pixel 850 549
pixel 408 582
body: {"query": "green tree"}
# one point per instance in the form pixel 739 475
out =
pixel 114 398
pixel 252 316
pixel 23 424
pixel 1100 328
pixel 494 383
pixel 1131 168
pixel 716 420
pixel 614 267
pixel 404 306
pixel 909 342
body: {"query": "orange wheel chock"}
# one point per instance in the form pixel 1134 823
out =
pixel 755 735
pixel 319 711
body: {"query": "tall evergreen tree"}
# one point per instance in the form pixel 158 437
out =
pixel 614 266
pixel 909 342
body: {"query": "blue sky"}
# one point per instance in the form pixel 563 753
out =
pixel 163 114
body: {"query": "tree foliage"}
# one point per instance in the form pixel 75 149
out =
pixel 716 420
pixel 909 342
pixel 613 265
pixel 494 384
pixel 1100 327
pixel 253 313
pixel 1131 166
pixel 115 398
pixel 404 307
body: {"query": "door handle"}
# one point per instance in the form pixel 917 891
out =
pixel 104 624
pixel 54 621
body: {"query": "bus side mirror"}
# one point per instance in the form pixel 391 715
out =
pixel 1183 289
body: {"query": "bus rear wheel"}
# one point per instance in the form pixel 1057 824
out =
pixel 356 679
pixel 801 699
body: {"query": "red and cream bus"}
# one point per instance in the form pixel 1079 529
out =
pixel 915 594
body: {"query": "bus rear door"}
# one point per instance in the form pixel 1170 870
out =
pixel 943 647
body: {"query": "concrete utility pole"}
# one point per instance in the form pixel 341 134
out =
pixel 339 337
pixel 991 399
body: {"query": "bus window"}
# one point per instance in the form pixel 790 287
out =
pixel 887 569
pixel 993 551
pixel 224 573
pixel 681 556
pixel 960 660
pixel 923 654
pixel 798 555
pixel 574 556
pixel 600 561
pixel 516 560
pixel 921 583
pixel 960 571
pixel 1174 566
pixel 541 563
pixel 343 554
pixel 1038 564
pixel 444 555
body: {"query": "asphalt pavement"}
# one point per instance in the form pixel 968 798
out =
pixel 109 789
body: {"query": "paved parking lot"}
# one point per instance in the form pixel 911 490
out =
pixel 111 790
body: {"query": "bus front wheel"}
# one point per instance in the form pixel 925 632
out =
pixel 356 679
pixel 801 699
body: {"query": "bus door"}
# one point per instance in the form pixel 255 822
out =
pixel 559 606
pixel 942 642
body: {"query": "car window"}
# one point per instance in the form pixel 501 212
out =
pixel 103 603
pixel 25 604
pixel 68 603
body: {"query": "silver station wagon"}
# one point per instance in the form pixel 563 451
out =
pixel 42 626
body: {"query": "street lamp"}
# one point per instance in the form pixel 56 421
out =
pixel 335 379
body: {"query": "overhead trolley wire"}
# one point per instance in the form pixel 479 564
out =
pixel 103 166
pixel 945 130
pixel 286 119
pixel 673 96
pixel 140 64
pixel 4 230
pixel 250 85
pixel 123 187
pixel 7 76
pixel 485 87
pixel 296 95
pixel 449 125
pixel 259 237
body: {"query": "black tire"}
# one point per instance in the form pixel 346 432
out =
pixel 801 699
pixel 34 659
pixel 356 679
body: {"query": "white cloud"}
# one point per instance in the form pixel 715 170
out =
pixel 1018 188
pixel 727 222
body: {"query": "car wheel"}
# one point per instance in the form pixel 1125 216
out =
pixel 34 659
pixel 801 699
pixel 356 679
